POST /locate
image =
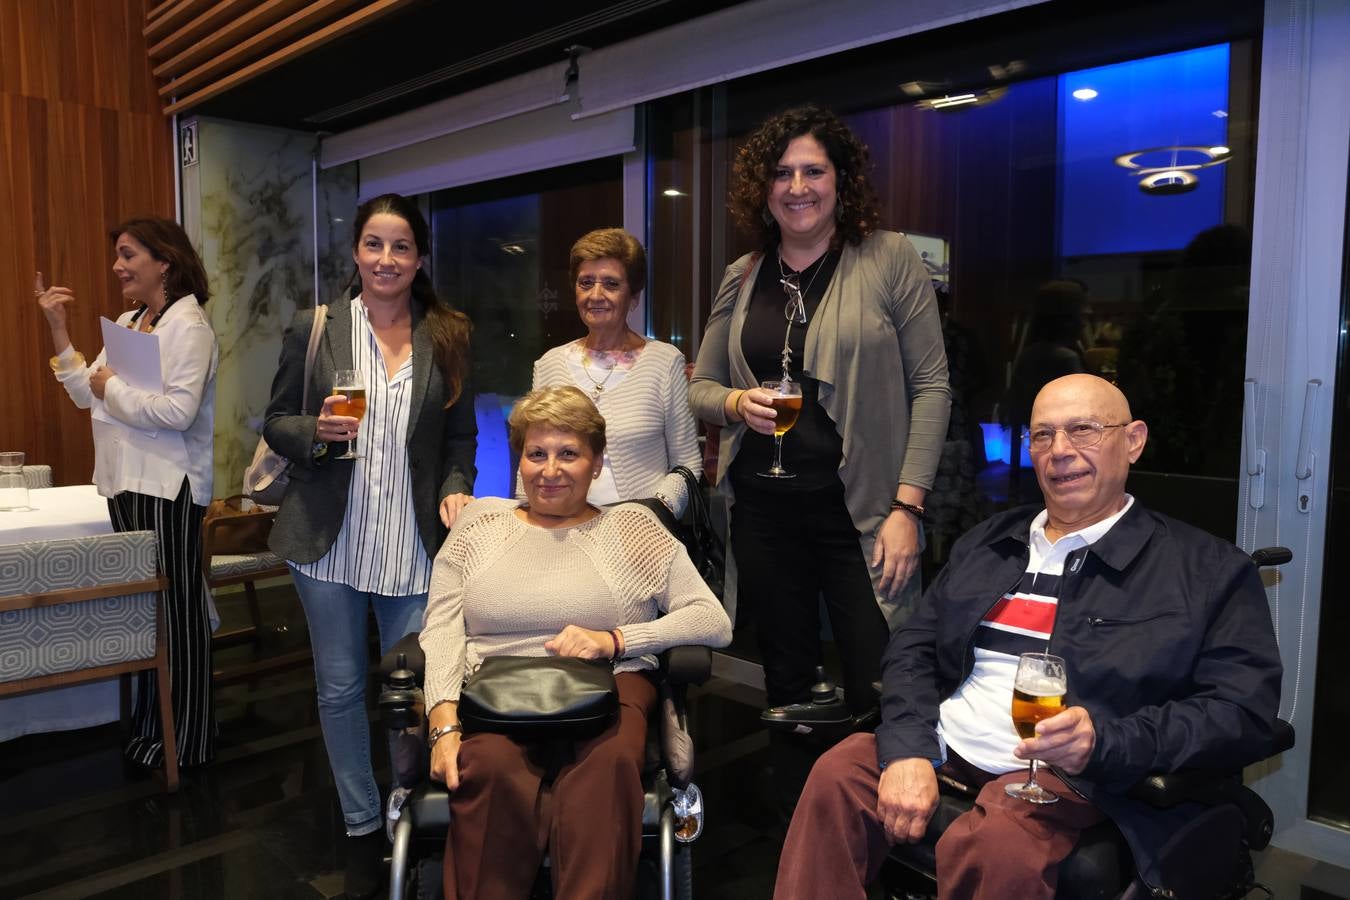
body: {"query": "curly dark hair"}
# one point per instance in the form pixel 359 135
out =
pixel 753 173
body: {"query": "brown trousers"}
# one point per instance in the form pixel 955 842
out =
pixel 504 818
pixel 1002 848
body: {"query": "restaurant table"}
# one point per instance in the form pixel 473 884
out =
pixel 56 514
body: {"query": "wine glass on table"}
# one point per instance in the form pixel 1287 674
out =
pixel 787 402
pixel 1038 693
pixel 348 383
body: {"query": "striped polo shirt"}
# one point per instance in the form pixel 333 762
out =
pixel 976 721
pixel 378 548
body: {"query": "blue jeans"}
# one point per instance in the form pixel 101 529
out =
pixel 337 633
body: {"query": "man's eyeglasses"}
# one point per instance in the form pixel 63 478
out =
pixel 795 309
pixel 1081 435
pixel 610 285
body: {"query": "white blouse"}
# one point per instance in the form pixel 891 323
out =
pixel 378 549
pixel 155 440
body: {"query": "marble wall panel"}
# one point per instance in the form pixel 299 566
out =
pixel 257 234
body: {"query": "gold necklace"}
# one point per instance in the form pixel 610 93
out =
pixel 599 385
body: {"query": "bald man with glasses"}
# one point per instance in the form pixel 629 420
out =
pixel 1170 657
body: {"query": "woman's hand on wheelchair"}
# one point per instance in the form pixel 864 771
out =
pixel 445 760
pixel 581 643
pixel 906 799
pixel 1064 740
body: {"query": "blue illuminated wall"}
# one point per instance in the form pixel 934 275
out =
pixel 1163 101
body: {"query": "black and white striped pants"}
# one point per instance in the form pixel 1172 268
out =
pixel 177 524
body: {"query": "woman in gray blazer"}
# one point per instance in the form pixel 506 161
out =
pixel 360 534
pixel 848 312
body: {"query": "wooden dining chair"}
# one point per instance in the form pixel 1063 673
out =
pixel 85 609
pixel 234 552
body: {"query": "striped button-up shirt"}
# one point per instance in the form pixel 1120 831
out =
pixel 378 548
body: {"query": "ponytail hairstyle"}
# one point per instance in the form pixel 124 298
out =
pixel 450 328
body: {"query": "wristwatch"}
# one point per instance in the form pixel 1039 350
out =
pixel 436 733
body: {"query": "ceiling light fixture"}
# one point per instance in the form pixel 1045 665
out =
pixel 1175 173
pixel 672 192
pixel 1084 93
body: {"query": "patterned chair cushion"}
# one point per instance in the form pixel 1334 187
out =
pixel 37 477
pixel 68 637
pixel 223 566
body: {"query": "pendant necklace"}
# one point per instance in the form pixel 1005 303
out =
pixel 599 385
pixel 796 306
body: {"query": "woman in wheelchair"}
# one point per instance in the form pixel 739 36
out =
pixel 554 576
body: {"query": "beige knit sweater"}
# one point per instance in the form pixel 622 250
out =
pixel 501 586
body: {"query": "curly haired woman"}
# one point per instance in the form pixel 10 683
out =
pixel 847 311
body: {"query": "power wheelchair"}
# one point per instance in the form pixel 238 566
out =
pixel 419 809
pixel 1213 853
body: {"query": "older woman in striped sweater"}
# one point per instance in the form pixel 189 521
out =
pixel 639 385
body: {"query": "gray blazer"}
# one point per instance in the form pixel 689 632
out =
pixel 441 442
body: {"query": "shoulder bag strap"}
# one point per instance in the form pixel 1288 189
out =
pixel 315 333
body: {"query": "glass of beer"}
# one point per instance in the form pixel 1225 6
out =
pixel 348 383
pixel 1038 693
pixel 787 402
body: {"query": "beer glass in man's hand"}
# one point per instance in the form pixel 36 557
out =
pixel 1038 693
pixel 348 383
pixel 787 403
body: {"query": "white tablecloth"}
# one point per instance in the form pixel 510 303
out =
pixel 56 513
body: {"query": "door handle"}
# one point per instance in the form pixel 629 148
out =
pixel 1305 463
pixel 1256 455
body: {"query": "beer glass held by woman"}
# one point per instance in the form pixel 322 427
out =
pixel 153 456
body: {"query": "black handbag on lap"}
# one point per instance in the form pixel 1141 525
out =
pixel 540 697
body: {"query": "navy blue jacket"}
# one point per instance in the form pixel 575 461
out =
pixel 1167 640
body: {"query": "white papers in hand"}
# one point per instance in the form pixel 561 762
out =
pixel 134 356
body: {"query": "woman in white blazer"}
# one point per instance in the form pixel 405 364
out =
pixel 152 457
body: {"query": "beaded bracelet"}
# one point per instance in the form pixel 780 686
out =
pixel 913 509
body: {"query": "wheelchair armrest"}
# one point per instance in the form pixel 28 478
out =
pixel 1282 739
pixel 1212 789
pixel 691 664
pixel 411 650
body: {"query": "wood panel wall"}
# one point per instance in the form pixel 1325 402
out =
pixel 83 145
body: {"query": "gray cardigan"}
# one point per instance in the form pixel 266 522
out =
pixel 441 442
pixel 875 346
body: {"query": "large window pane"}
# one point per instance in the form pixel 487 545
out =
pixel 1096 220
pixel 1329 780
pixel 499 253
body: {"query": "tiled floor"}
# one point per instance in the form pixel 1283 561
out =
pixel 262 821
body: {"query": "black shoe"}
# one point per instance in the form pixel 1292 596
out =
pixel 364 870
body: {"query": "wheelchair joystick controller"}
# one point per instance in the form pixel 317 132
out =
pixel 403 712
pixel 826 708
